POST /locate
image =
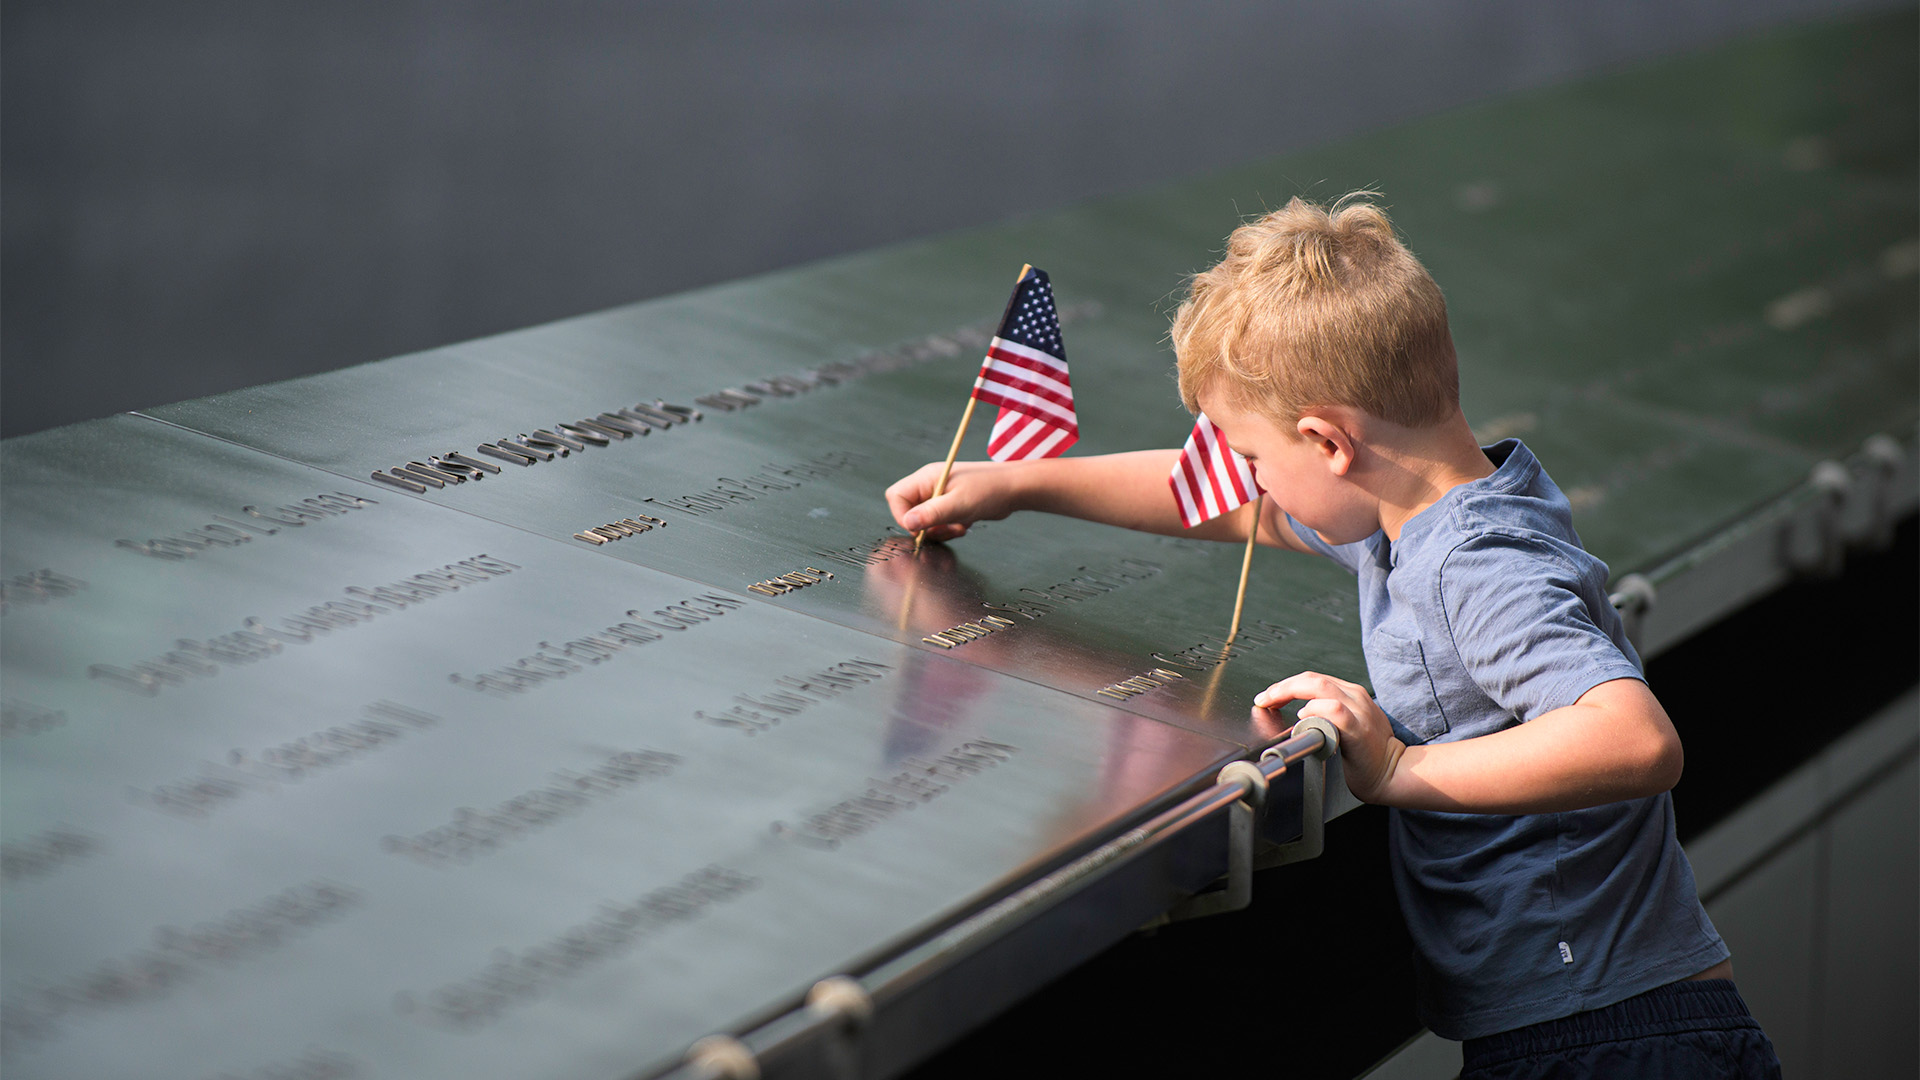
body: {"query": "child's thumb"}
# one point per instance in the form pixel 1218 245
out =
pixel 939 510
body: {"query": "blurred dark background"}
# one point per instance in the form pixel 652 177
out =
pixel 197 196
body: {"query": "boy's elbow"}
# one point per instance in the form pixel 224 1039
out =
pixel 1651 757
pixel 1662 757
pixel 1667 761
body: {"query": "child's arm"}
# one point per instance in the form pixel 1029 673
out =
pixel 1129 490
pixel 1614 743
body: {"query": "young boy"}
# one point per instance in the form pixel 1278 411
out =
pixel 1527 766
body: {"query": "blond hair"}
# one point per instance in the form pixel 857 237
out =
pixel 1315 306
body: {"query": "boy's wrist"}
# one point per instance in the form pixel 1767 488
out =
pixel 1027 485
pixel 1389 786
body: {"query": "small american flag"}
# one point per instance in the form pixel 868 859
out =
pixel 1025 373
pixel 1210 479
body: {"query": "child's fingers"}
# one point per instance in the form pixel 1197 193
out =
pixel 1307 684
pixel 1331 709
pixel 910 491
pixel 941 510
pixel 943 533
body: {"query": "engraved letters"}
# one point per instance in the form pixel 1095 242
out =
pixel 1331 605
pixel 1211 652
pixel 773 477
pixel 545 444
pixel 550 662
pixel 177 956
pixel 1090 582
pixel 753 714
pixel 472 832
pixel 920 782
pixel 43 854
pixel 968 631
pixel 790 582
pixel 878 550
pixel 226 532
pixel 401 481
pixel 382 722
pixel 1139 684
pixel 614 929
pixel 38 587
pixel 620 530
pixel 20 718
pixel 257 640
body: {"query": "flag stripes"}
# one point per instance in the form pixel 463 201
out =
pixel 1009 391
pixel 1018 436
pixel 1210 479
pixel 1025 374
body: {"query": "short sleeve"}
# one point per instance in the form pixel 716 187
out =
pixel 1531 621
pixel 1349 556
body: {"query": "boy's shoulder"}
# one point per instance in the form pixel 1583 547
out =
pixel 1522 605
pixel 1517 496
pixel 1505 552
pixel 1515 514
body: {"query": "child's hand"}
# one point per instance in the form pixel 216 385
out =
pixel 977 491
pixel 1367 743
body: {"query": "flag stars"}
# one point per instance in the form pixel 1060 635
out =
pixel 1036 401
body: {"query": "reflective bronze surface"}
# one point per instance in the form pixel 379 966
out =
pixel 264 827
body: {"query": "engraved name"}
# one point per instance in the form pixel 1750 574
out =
pixel 920 782
pixel 384 722
pixel 178 956
pixel 790 582
pixel 775 477
pixel 626 422
pixel 877 550
pixel 542 444
pixel 37 587
pixel 19 718
pixel 616 928
pixel 1139 684
pixel 476 832
pixel 257 639
pixel 1332 605
pixel 551 662
pixel 229 532
pixel 620 530
pixel 1213 651
pixel 968 631
pixel 1090 582
pixel 754 713
pixel 40 855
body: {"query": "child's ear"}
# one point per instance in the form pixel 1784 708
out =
pixel 1330 440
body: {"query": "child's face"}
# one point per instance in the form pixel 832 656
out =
pixel 1302 474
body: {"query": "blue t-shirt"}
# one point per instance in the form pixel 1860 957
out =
pixel 1486 613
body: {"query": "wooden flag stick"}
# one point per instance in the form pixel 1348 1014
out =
pixel 1246 563
pixel 940 486
pixel 1239 602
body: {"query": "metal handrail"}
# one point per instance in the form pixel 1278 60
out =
pixel 826 1029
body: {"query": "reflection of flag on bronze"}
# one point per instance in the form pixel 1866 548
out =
pixel 1025 373
pixel 1210 479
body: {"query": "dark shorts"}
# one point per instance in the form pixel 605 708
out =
pixel 1675 1032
